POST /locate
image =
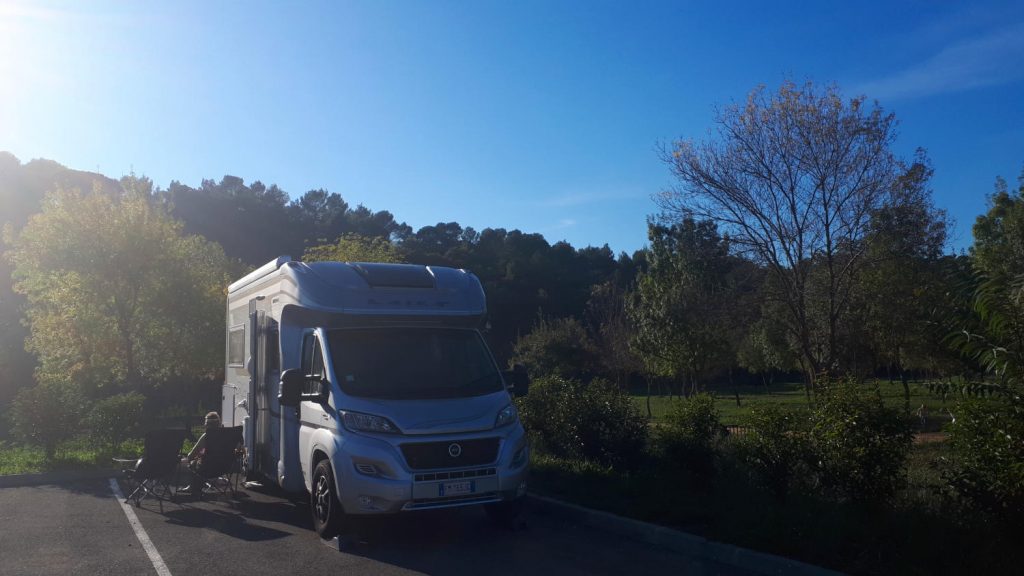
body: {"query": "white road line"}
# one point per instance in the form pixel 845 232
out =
pixel 140 532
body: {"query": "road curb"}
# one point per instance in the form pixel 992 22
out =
pixel 56 477
pixel 689 544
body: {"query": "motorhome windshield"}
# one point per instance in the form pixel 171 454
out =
pixel 413 363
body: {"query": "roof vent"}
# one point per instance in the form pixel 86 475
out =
pixel 395 275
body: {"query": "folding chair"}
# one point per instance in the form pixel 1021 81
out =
pixel 158 467
pixel 219 460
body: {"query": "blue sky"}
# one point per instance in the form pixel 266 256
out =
pixel 543 116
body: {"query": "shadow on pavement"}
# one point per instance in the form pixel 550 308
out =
pixel 230 522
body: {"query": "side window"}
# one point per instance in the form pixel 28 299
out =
pixel 318 361
pixel 236 345
pixel 312 364
pixel 273 351
pixel 307 353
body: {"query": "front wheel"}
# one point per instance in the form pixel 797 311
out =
pixel 323 501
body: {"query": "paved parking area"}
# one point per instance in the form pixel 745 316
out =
pixel 80 528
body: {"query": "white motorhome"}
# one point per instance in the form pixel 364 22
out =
pixel 371 387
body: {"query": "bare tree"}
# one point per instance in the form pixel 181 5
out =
pixel 793 178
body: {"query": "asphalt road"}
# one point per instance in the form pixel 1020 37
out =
pixel 80 528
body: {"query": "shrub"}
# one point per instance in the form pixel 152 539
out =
pixel 691 429
pixel 986 464
pixel 860 446
pixel 776 447
pixel 559 347
pixel 112 420
pixel 595 421
pixel 47 414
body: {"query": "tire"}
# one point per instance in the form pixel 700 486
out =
pixel 505 513
pixel 323 502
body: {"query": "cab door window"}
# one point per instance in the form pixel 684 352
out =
pixel 312 365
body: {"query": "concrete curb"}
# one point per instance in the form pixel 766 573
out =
pixel 57 477
pixel 750 560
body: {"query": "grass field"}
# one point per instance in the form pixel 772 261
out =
pixel 75 454
pixel 791 395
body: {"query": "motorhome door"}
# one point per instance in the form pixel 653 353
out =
pixel 264 366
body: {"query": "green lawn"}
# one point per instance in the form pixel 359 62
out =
pixel 791 395
pixel 75 454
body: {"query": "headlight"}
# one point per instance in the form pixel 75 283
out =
pixel 360 422
pixel 507 415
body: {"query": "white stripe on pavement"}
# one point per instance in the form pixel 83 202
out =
pixel 140 532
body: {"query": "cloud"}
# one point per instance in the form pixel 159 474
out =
pixel 562 225
pixel 583 198
pixel 990 59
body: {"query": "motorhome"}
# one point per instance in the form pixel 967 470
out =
pixel 371 387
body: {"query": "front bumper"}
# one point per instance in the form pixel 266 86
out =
pixel 374 478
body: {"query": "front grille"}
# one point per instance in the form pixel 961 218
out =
pixel 434 455
pixel 456 475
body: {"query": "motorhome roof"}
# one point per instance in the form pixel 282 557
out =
pixel 377 289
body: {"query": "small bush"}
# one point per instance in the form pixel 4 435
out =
pixel 776 447
pixel 559 347
pixel 46 414
pixel 860 446
pixel 692 427
pixel 986 464
pixel 595 421
pixel 112 420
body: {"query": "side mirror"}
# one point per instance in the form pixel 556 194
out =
pixel 520 380
pixel 325 391
pixel 292 381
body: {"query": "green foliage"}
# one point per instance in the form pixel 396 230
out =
pixel 117 296
pixel 849 446
pixel 355 248
pixel 765 350
pixel 688 438
pixel 905 280
pixel 998 249
pixel 777 448
pixel 860 445
pixel 114 419
pixel 559 347
pixel 596 421
pixel 986 461
pixel 792 177
pixel 47 414
pixel 682 304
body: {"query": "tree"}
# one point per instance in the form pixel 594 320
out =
pixel 681 302
pixel 117 296
pixel 22 188
pixel 355 248
pixel 904 279
pixel 559 347
pixel 999 233
pixel 612 330
pixel 991 333
pixel 794 178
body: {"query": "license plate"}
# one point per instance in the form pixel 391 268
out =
pixel 457 488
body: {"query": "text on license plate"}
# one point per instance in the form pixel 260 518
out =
pixel 457 488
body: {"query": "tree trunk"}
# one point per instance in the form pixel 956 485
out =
pixel 649 415
pixel 906 389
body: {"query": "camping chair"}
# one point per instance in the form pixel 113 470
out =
pixel 219 460
pixel 158 467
